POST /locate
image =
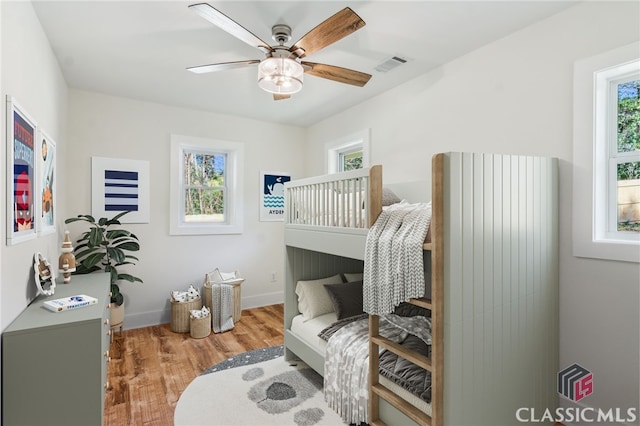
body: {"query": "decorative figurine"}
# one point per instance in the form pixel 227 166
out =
pixel 67 261
pixel 43 273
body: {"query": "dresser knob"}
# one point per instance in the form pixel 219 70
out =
pixel 108 305
pixel 106 321
pixel 109 333
pixel 106 354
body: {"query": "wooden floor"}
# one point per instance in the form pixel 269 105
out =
pixel 151 366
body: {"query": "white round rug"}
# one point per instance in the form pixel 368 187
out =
pixel 271 392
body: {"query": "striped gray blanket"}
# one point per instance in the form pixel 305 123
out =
pixel 222 301
pixel 393 262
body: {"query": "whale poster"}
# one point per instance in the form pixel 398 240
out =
pixel 272 195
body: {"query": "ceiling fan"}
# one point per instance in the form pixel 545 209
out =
pixel 281 71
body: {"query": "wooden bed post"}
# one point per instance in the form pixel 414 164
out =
pixel 437 289
pixel 375 193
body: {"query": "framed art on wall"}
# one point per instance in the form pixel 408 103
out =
pixel 119 185
pixel 47 184
pixel 21 174
pixel 272 195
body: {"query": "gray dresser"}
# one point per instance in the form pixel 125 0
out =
pixel 54 364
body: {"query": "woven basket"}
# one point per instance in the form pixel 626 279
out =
pixel 207 292
pixel 180 314
pixel 200 327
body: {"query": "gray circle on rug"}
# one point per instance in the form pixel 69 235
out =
pixel 247 358
pixel 308 417
pixel 254 373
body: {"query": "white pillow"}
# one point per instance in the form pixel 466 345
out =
pixel 313 299
pixel 353 277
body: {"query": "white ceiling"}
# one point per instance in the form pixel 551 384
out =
pixel 140 49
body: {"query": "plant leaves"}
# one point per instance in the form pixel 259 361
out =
pixel 95 236
pixel 115 233
pixel 81 269
pixel 129 277
pixel 128 245
pixel 92 260
pixel 116 254
pixel 81 255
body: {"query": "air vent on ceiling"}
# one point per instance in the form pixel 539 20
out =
pixel 390 64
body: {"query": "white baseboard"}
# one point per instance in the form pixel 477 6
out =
pixel 147 319
pixel 265 299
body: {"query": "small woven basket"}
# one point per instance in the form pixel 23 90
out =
pixel 200 327
pixel 180 314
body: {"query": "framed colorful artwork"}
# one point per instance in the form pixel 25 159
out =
pixel 272 195
pixel 47 184
pixel 21 174
pixel 119 185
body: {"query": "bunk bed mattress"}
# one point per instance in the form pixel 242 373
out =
pixel 308 331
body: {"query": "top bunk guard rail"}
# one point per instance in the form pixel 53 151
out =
pixel 344 201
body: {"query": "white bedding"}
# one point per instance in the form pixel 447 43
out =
pixel 308 332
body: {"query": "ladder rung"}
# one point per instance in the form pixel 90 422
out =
pixel 414 413
pixel 422 302
pixel 427 247
pixel 377 423
pixel 408 354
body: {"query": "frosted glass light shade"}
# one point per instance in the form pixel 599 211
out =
pixel 280 75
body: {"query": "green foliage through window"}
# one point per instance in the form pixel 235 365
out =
pixel 351 160
pixel 629 127
pixel 204 187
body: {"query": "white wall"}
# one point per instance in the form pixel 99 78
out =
pixel 515 96
pixel 107 126
pixel 30 73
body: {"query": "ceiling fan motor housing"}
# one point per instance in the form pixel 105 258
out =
pixel 281 33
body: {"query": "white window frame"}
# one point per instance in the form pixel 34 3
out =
pixel 234 173
pixel 355 141
pixel 595 234
pixel 607 147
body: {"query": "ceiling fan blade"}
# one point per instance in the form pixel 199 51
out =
pixel 201 69
pixel 278 97
pixel 331 30
pixel 339 74
pixel 222 21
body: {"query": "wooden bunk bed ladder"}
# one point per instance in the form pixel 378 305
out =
pixel 435 365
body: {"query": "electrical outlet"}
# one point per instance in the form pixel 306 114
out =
pixel 273 277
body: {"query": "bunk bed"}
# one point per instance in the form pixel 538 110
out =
pixel 490 260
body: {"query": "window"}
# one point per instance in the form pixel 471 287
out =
pixel 205 189
pixel 624 157
pixel 607 155
pixel 204 186
pixel 350 158
pixel 348 153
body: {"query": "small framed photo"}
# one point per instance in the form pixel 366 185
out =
pixel 272 195
pixel 119 185
pixel 47 184
pixel 21 174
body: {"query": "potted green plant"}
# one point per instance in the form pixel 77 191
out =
pixel 106 246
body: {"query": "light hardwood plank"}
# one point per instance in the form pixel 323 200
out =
pixel 150 367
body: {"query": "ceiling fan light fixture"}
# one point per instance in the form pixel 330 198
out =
pixel 280 75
